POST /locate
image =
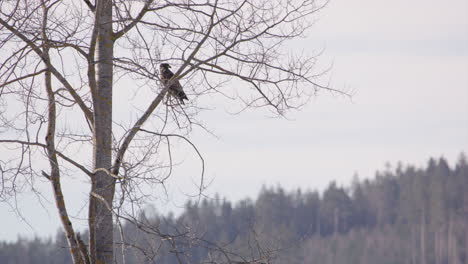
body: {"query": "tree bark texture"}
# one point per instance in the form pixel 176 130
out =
pixel 103 184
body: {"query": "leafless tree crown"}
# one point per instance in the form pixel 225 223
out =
pixel 64 63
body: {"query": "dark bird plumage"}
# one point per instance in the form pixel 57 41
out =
pixel 175 89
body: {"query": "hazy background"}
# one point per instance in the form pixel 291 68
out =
pixel 407 61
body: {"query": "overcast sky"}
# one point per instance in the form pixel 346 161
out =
pixel 407 62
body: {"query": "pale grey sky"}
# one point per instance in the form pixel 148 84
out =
pixel 407 61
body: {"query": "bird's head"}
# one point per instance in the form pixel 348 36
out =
pixel 164 66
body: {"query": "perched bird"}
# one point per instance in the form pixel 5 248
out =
pixel 175 89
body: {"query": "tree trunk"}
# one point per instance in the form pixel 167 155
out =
pixel 438 245
pixel 456 259
pixel 413 245
pixel 423 239
pixel 103 185
pixel 466 240
pixel 54 176
pixel 466 243
pixel 449 240
pixel 365 255
pixel 465 225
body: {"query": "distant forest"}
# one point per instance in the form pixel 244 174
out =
pixel 403 215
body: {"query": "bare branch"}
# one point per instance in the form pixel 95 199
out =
pixel 136 127
pixel 235 49
pixel 135 21
pixel 193 146
pixel 61 155
pixel 87 112
pixel 22 78
pixel 52 154
pixel 91 6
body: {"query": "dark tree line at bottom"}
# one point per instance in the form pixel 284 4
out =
pixel 404 215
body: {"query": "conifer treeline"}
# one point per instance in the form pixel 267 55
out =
pixel 405 215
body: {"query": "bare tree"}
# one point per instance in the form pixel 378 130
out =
pixel 63 57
